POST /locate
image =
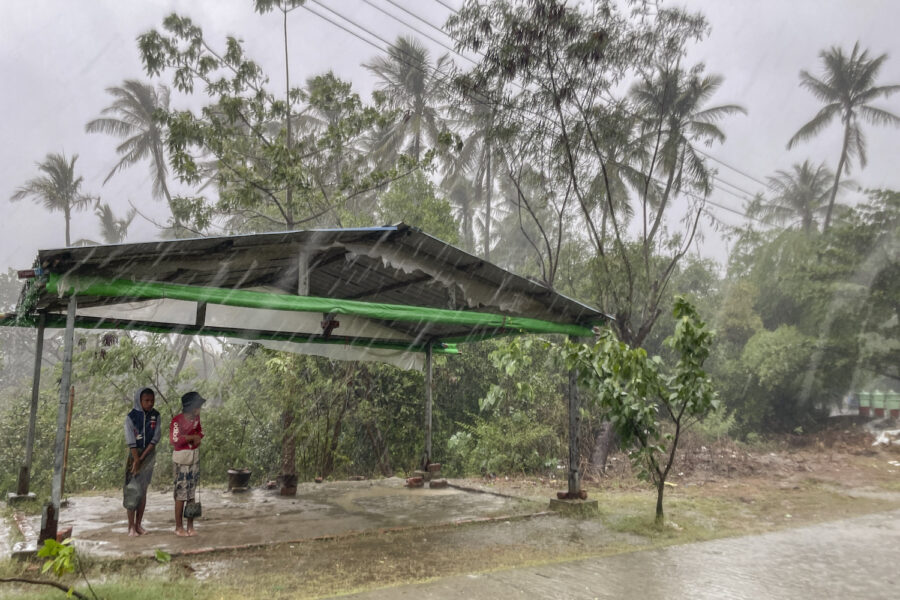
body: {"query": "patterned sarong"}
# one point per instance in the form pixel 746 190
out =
pixel 186 479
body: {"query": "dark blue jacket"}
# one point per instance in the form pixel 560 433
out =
pixel 141 428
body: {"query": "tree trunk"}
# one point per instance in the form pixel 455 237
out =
pixel 186 344
pixel 837 178
pixel 68 215
pixel 489 185
pixel 380 449
pixel 288 450
pixel 660 488
pixel 606 442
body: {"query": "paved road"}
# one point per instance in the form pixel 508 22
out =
pixel 852 559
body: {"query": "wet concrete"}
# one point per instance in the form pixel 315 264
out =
pixel 853 558
pixel 260 517
pixel 5 534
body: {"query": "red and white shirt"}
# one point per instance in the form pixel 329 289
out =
pixel 182 426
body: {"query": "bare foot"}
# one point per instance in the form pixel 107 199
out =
pixel 191 532
pixel 132 532
pixel 140 530
pixel 181 533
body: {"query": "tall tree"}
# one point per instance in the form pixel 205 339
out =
pixel 550 68
pixel 58 189
pixel 135 115
pixel 800 197
pixel 265 172
pixel 411 86
pixel 846 88
pixel 482 159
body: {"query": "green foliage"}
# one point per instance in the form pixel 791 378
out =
pixel 162 556
pixel 518 442
pixel 588 165
pixel 775 364
pixel 414 201
pixel 276 163
pixel 60 557
pixel 107 370
pixel 520 424
pixel 644 399
pixel 58 188
pixel 846 89
pixel 810 317
pixel 63 560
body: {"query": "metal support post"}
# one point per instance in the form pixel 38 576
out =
pixel 429 390
pixel 51 513
pixel 24 483
pixel 574 426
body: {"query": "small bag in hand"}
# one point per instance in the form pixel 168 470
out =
pixel 132 494
pixel 192 508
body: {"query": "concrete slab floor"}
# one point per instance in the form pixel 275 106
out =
pixel 5 534
pixel 261 517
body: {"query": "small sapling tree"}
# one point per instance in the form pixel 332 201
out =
pixel 649 404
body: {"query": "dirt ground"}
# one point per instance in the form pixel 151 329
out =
pixel 342 537
pixel 843 455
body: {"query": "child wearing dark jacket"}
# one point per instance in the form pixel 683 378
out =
pixel 142 433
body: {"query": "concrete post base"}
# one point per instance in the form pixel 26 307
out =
pixel 585 508
pixel 24 550
pixel 13 498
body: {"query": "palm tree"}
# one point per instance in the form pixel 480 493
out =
pixel 846 89
pixel 671 103
pixel 483 155
pixel 133 116
pixel 800 196
pixel 112 229
pixel 58 189
pixel 413 87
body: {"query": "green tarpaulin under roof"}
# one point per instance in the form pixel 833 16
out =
pixel 380 293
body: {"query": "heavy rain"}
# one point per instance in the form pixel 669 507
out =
pixel 450 298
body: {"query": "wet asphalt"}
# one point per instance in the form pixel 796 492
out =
pixel 856 558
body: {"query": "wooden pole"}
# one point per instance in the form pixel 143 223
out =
pixel 51 512
pixel 62 485
pixel 574 426
pixel 24 483
pixel 429 390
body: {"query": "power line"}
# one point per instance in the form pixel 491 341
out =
pixel 627 111
pixel 447 6
pixel 485 97
pixel 728 183
pixel 416 29
pixel 338 25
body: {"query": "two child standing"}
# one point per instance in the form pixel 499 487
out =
pixel 142 434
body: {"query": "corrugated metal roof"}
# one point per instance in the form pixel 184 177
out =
pixel 397 265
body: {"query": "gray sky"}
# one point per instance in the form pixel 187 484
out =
pixel 58 56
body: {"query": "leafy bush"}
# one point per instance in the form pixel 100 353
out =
pixel 515 443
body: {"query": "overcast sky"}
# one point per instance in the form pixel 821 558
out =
pixel 58 56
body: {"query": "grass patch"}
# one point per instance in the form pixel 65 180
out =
pixel 891 486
